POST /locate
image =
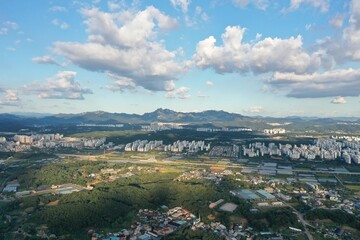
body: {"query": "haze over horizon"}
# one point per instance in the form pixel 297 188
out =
pixel 45 114
pixel 268 58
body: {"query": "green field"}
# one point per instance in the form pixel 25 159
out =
pixel 353 187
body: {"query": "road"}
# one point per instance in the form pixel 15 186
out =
pixel 339 180
pixel 299 215
pixel 302 220
pixel 304 223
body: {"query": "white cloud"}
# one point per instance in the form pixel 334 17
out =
pixel 351 34
pixel 58 9
pixel 116 5
pixel 10 25
pixel 260 4
pixel 182 4
pixel 61 24
pixel 46 60
pixel 199 16
pixel 258 36
pixel 181 92
pixel 343 82
pixel 61 86
pixel 7 26
pixel 126 29
pixel 267 55
pixel 170 86
pixel 209 83
pixel 346 47
pixel 323 5
pixel 113 6
pixel 199 12
pixel 125 46
pixel 337 21
pixel 256 109
pixel 11 49
pixel 273 54
pixel 338 100
pixel 120 84
pixel 11 98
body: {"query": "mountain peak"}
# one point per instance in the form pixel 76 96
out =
pixel 164 110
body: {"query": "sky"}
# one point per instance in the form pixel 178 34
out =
pixel 253 57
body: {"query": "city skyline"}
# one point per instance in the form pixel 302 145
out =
pixel 253 57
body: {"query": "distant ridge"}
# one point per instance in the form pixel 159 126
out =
pixel 31 114
pixel 167 115
pixel 159 115
pixel 163 115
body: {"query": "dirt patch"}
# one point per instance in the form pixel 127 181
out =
pixel 239 220
pixel 54 203
pixel 217 168
pixel 324 221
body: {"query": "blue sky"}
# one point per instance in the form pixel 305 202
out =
pixel 254 57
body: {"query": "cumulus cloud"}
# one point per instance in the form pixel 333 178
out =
pixel 10 98
pixel 181 92
pixel 61 24
pixel 267 55
pixel 256 109
pixel 351 34
pixel 182 4
pixel 61 86
pixel 120 83
pixel 338 100
pixel 339 50
pixel 337 21
pixel 323 5
pixel 333 83
pixel 124 45
pixel 260 4
pixel 46 60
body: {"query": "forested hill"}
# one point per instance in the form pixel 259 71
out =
pixel 11 122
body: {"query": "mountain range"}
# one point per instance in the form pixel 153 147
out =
pixel 165 115
pixel 159 115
